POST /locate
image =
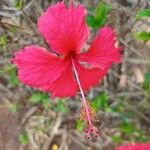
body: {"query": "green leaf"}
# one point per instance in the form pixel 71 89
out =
pixel 144 36
pixel 41 98
pixel 101 102
pixel 36 98
pixel 142 138
pixel 128 128
pixel 143 13
pixel 98 18
pixel 116 138
pixel 101 12
pixel 23 138
pixel 45 101
pixel 13 80
pixel 79 125
pixel 12 107
pixel 90 20
pixel 18 4
pixel 3 40
pixel 60 107
pixel 146 84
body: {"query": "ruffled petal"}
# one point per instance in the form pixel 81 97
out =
pixel 65 86
pixel 89 77
pixel 135 146
pixel 38 67
pixel 102 52
pixel 64 29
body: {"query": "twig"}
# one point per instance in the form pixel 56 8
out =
pixel 53 133
pixel 137 112
pixel 130 48
pixel 8 92
pixel 32 142
pixel 137 61
pixel 63 145
pixel 79 142
pixel 18 13
pixel 128 81
pixel 28 114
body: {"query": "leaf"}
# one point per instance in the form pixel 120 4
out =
pixel 143 13
pixel 128 128
pixel 146 84
pixel 142 35
pixel 90 20
pixel 116 138
pixel 23 138
pixel 12 107
pixel 41 98
pixel 13 80
pixel 97 18
pixel 3 40
pixel 45 101
pixel 101 102
pixel 60 107
pixel 36 98
pixel 18 4
pixel 101 12
pixel 79 125
pixel 142 138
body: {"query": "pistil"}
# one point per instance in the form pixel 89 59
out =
pixel 90 127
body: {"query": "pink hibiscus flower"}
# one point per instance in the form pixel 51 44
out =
pixel 138 146
pixel 62 72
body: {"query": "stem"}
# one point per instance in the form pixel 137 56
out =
pixel 82 93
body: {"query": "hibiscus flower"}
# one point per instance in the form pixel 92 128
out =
pixel 62 71
pixel 133 146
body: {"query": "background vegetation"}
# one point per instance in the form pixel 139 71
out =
pixel 29 120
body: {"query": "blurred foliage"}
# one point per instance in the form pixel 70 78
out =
pixel 18 4
pixel 142 35
pixel 100 102
pixel 97 18
pixel 12 107
pixel 146 84
pixel 126 127
pixel 60 107
pixel 3 41
pixel 23 138
pixel 143 13
pixel 43 98
pixel 10 70
pixel 79 125
pixel 116 138
pixel 40 98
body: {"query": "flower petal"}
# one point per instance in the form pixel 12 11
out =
pixel 64 86
pixel 64 29
pixel 38 67
pixel 102 52
pixel 134 146
pixel 89 77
